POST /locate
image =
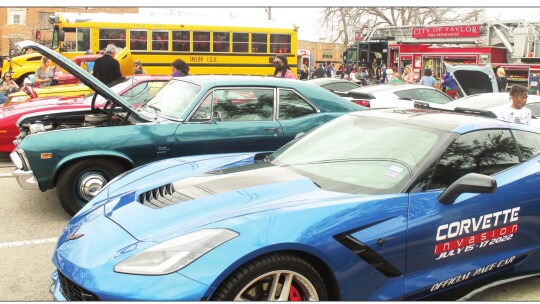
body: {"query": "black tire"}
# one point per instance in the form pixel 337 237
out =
pixel 251 282
pixel 68 186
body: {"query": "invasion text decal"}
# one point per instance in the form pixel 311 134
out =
pixel 491 228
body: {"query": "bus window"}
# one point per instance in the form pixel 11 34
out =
pixel 160 40
pixel 240 42
pixel 180 41
pixel 280 43
pixel 83 40
pixel 112 36
pixel 138 40
pixel 221 42
pixel 259 43
pixel 201 41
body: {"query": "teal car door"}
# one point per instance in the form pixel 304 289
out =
pixel 228 120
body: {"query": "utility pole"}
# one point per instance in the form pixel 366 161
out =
pixel 269 11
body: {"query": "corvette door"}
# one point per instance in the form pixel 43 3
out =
pixel 477 235
pixel 232 120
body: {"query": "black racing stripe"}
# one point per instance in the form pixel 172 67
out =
pixel 368 255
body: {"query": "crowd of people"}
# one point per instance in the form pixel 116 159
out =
pixel 107 70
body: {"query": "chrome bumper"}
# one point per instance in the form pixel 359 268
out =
pixel 26 179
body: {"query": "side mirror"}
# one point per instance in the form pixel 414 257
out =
pixel 216 116
pixel 470 183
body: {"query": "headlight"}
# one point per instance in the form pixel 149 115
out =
pixel 176 253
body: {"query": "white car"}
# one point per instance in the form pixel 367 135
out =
pixel 493 102
pixel 395 95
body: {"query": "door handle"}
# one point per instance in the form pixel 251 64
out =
pixel 275 130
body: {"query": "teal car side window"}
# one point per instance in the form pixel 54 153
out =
pixel 291 105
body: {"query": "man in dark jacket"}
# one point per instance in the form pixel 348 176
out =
pixel 106 68
pixel 319 72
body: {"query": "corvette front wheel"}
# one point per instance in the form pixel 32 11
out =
pixel 277 277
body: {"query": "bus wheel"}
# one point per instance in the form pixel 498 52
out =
pixel 82 180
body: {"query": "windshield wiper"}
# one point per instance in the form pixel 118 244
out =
pixel 157 110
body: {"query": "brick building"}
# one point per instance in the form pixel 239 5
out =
pixel 22 23
pixel 324 51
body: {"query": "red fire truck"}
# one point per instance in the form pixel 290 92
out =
pixel 512 44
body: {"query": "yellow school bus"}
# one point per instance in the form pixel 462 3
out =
pixel 208 45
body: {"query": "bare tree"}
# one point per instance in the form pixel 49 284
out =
pixel 342 23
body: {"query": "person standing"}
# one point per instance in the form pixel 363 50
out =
pixel 179 68
pixel 501 79
pixel 282 69
pixel 449 85
pixel 107 68
pixel 408 75
pixel 327 70
pixel 348 70
pixel 138 68
pixel 333 70
pixel 304 73
pixel 533 84
pixel 516 112
pixel 427 79
pixel 319 72
pixel 44 74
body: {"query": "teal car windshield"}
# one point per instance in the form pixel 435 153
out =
pixel 174 99
pixel 372 156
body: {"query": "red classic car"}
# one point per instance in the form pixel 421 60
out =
pixel 137 89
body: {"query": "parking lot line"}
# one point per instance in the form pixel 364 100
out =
pixel 27 243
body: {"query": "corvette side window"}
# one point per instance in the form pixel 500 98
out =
pixel 434 96
pixel 528 142
pixel 484 152
pixel 407 94
pixel 292 106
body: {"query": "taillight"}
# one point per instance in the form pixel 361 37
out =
pixel 362 102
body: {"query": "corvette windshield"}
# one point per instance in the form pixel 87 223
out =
pixel 174 99
pixel 360 155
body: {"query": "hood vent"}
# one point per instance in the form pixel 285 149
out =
pixel 162 197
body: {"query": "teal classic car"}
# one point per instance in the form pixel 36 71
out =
pixel 78 152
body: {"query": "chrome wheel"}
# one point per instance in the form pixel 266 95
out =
pixel 90 184
pixel 281 285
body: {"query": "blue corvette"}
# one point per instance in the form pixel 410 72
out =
pixel 375 205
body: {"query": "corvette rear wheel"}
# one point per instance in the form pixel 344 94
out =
pixel 277 277
pixel 82 180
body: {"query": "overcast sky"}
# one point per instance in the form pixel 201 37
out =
pixel 308 18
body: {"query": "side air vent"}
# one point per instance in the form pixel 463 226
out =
pixel 368 255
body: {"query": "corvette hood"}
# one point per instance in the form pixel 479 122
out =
pixel 183 204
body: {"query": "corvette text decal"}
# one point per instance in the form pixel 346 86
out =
pixel 490 229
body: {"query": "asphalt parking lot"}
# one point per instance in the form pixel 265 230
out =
pixel 31 221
